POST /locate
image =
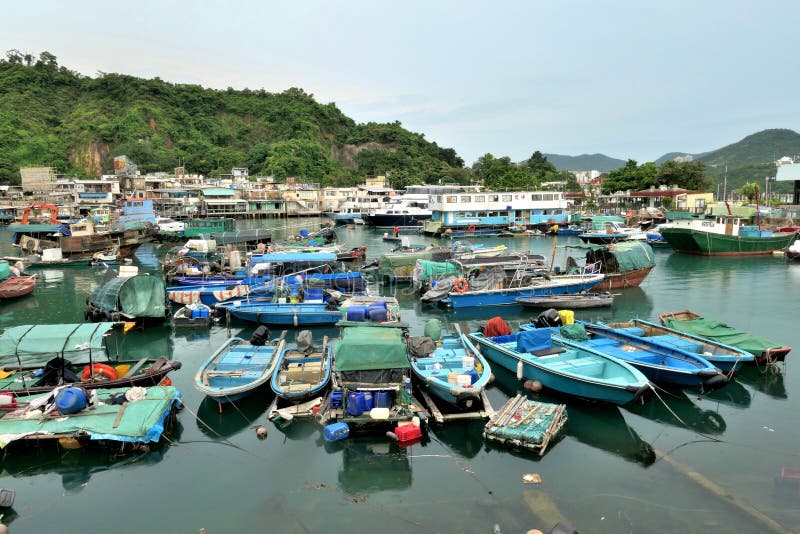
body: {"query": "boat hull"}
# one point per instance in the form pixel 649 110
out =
pixel 285 315
pixel 386 220
pixel 626 279
pixel 509 296
pixel 691 241
pixel 567 385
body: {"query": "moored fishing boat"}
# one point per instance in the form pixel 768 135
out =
pixel 197 314
pixel 577 371
pixel 17 286
pixel 38 358
pixel 659 363
pixel 237 368
pixel 302 371
pixel 728 359
pixel 624 264
pixel 725 235
pixel 465 295
pixel 282 313
pixel 576 301
pixel 452 369
pixel 687 321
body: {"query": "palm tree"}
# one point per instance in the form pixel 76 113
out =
pixel 749 190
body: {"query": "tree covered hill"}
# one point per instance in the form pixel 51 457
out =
pixel 50 115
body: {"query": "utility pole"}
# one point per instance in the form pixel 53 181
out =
pixel 725 186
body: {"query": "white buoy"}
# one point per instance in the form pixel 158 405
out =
pixel 519 370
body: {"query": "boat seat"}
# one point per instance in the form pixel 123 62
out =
pixel 632 330
pixel 678 343
pixel 548 351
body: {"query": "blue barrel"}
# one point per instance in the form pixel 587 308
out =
pixel 378 315
pixel 473 375
pixel 382 399
pixel 336 399
pixel 70 400
pixel 368 401
pixel 336 431
pixel 356 313
pixel 355 403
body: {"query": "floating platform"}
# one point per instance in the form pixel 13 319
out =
pixel 526 423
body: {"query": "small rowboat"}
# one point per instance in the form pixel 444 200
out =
pixel 454 372
pixel 237 369
pixel 571 370
pixel 288 314
pixel 689 322
pixel 659 363
pixel 302 375
pixel 728 359
pixel 576 301
pixel 197 314
pixel 17 286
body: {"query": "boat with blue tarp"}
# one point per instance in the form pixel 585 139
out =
pixel 660 363
pixel 725 357
pixel 534 354
pixel 488 294
pixel 282 313
pixel 238 368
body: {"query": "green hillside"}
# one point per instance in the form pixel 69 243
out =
pixel 585 162
pixel 50 115
pixel 759 148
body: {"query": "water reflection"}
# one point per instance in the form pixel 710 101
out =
pixel 733 394
pixel 369 466
pixel 298 429
pixel 604 428
pixel 464 438
pixel 769 382
pixel 76 467
pixel 233 418
pixel 152 342
pixel 696 418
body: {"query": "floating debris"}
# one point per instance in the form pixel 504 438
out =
pixel 527 423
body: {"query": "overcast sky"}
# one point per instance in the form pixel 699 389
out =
pixel 627 79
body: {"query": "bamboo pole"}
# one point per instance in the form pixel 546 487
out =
pixel 713 488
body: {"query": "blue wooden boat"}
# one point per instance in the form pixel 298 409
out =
pixel 236 369
pixel 454 372
pixel 300 375
pixel 577 371
pixel 288 314
pixel 728 359
pixel 659 363
pixel 507 296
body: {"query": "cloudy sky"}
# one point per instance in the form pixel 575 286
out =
pixel 627 79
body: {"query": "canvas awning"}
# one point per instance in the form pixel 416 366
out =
pixel 365 348
pixel 35 344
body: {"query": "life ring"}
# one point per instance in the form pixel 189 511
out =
pixel 471 228
pixel 461 285
pixel 99 369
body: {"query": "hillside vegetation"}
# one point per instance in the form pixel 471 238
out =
pixel 50 115
pixel 585 162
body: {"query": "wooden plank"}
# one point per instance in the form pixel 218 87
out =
pixel 437 415
pixel 487 406
pixel 119 415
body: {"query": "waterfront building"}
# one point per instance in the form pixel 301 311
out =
pixel 464 207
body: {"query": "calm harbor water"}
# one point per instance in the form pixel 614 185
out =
pixel 604 475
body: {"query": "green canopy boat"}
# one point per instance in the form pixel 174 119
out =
pixel 139 297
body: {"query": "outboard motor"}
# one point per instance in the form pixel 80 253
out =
pixel 548 318
pixel 260 336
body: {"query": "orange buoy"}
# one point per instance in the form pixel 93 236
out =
pixel 461 285
pixel 99 369
pixel 166 381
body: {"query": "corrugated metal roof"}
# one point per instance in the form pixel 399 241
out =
pixel 788 173
pixel 218 192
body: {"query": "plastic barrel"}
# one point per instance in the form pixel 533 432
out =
pixel 378 315
pixel 355 404
pixel 356 313
pixel 368 401
pixel 473 374
pixel 336 431
pixel 336 399
pixel 382 399
pixel 70 400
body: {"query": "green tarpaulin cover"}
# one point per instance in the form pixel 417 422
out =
pixel 723 333
pixel 5 270
pixel 35 344
pixel 139 296
pixel 365 348
pixel 619 257
pixel 142 421
pixel 432 270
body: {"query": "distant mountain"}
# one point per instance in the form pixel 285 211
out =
pixel 585 162
pixel 749 160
